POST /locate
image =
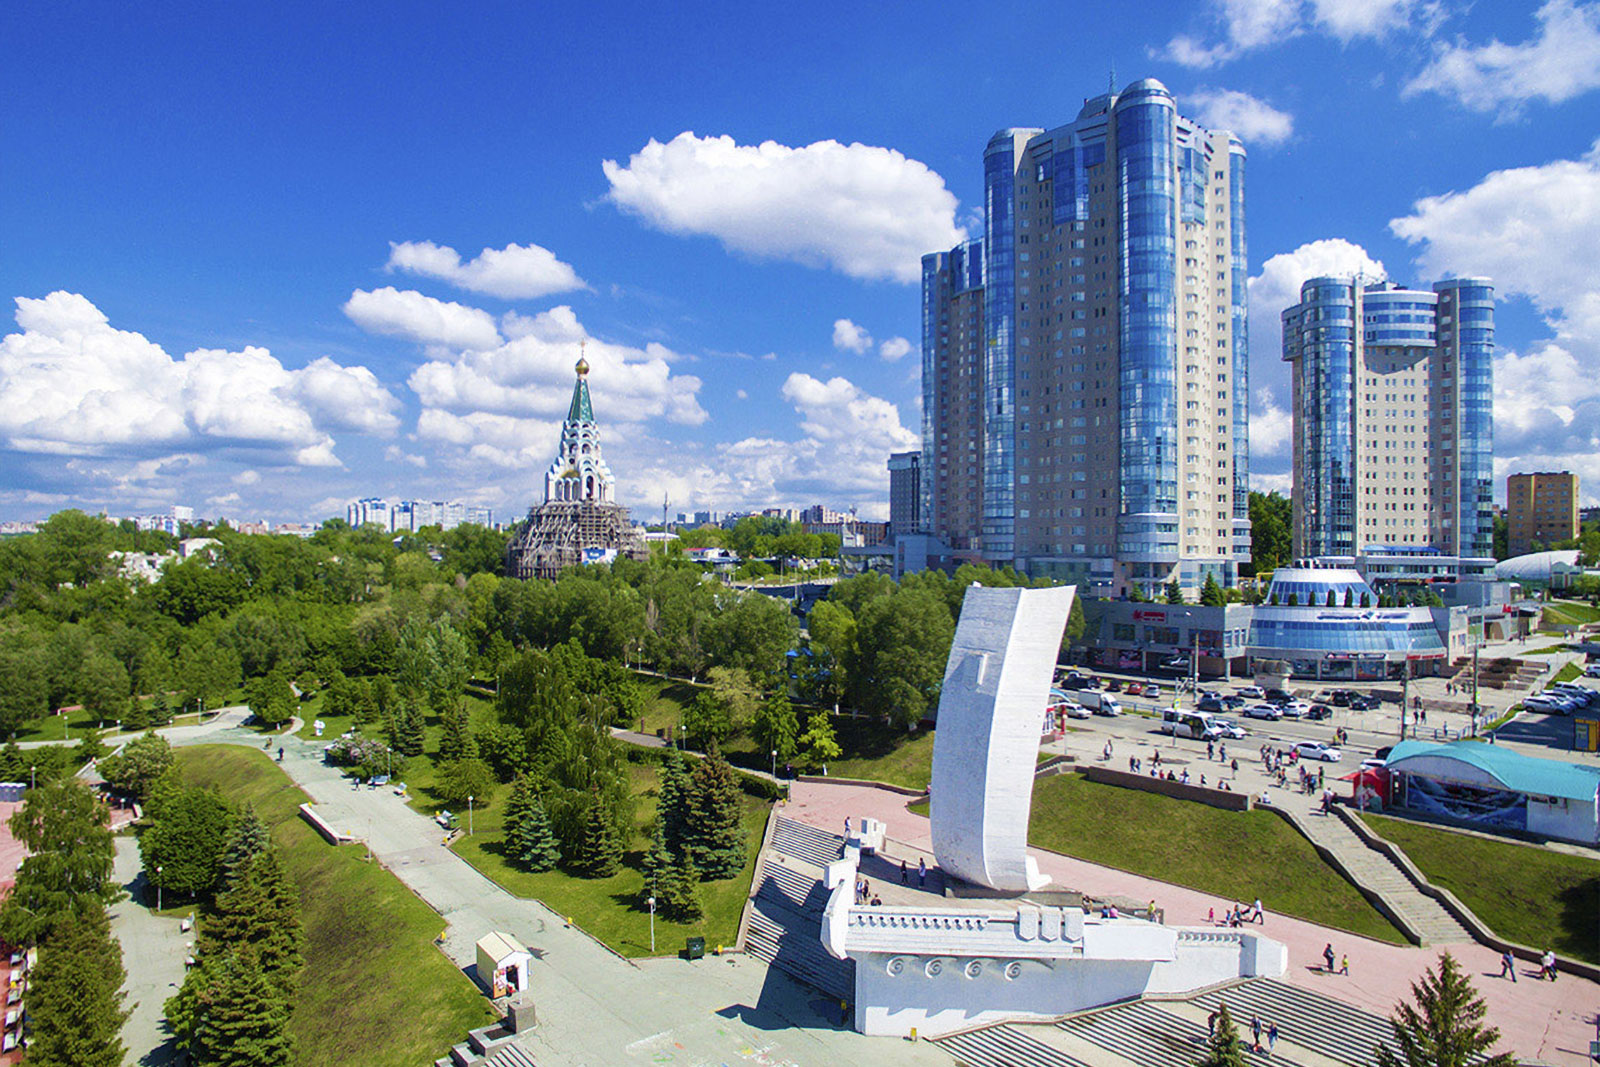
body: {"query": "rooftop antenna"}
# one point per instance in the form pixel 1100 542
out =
pixel 665 504
pixel 1112 89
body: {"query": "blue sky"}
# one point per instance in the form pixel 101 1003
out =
pixel 270 258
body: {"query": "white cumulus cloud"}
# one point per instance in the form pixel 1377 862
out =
pixel 1271 426
pixel 1560 62
pixel 409 314
pixel 848 337
pixel 515 272
pixel 72 384
pixel 1245 25
pixel 1278 287
pixel 1255 121
pixel 868 212
pixel 895 348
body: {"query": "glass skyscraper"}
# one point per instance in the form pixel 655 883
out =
pixel 1100 418
pixel 1393 417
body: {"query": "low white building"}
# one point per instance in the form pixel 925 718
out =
pixel 1494 788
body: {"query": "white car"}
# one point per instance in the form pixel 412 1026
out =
pixel 1592 671
pixel 1229 729
pixel 1251 692
pixel 1294 709
pixel 1317 750
pixel 1263 711
pixel 1073 709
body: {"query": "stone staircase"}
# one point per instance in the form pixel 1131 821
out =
pixel 818 847
pixel 487 1046
pixel 1373 871
pixel 1005 1046
pixel 1339 1031
pixel 785 922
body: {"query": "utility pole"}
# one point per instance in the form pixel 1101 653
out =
pixel 1405 695
pixel 1474 634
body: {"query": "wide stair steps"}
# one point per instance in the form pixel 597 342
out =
pixel 1374 871
pixel 1004 1046
pixel 790 838
pixel 785 926
pixel 1147 1035
pixel 1332 1027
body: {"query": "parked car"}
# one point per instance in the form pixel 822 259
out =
pixel 1592 671
pixel 1317 750
pixel 1251 692
pixel 1276 696
pixel 1341 698
pixel 1293 709
pixel 1229 729
pixel 1072 709
pixel 1233 702
pixel 1263 711
pixel 1550 705
pixel 1363 703
pixel 1151 689
pixel 1210 702
pixel 1318 712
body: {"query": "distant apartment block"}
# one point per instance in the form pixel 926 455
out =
pixel 170 523
pixel 1393 418
pixel 1085 380
pixel 1540 507
pixel 905 493
pixel 412 515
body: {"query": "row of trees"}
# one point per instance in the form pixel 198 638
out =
pixel 74 998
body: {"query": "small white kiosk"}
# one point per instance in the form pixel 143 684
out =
pixel 502 964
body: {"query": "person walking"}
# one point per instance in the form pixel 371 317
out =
pixel 1255 1032
pixel 1508 965
pixel 1260 915
pixel 1327 955
pixel 1272 1036
pixel 1344 963
pixel 922 872
pixel 1211 750
pixel 1547 965
pixel 905 875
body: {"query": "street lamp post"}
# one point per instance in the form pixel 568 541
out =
pixel 158 888
pixel 469 814
pixel 33 778
pixel 652 926
pixel 774 763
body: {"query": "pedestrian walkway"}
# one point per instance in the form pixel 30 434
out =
pixel 153 952
pixel 1376 873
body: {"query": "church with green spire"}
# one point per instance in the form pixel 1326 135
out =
pixel 580 520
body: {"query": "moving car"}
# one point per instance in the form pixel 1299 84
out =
pixel 1363 703
pixel 1263 711
pixel 1251 692
pixel 1113 684
pixel 1318 712
pixel 1317 750
pixel 1229 729
pixel 1293 709
pixel 1100 703
pixel 1210 702
pixel 1072 709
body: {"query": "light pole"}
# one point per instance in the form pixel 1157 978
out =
pixel 652 926
pixel 469 814
pixel 158 888
pixel 33 778
pixel 774 763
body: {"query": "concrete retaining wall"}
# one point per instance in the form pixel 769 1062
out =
pixel 321 826
pixel 1217 798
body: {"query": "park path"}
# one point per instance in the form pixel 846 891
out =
pixel 594 1007
pixel 153 951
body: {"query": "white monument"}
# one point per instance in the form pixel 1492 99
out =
pixel 943 964
pixel 986 744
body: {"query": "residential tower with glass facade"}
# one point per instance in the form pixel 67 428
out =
pixel 1085 390
pixel 1393 417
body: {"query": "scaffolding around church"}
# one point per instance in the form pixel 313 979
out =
pixel 556 535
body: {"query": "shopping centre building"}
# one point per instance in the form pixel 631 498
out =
pixel 1322 620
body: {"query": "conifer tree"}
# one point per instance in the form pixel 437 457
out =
pixel 244 1021
pixel 457 743
pixel 599 851
pixel 411 729
pixel 672 800
pixel 1445 1028
pixel 74 998
pixel 535 847
pixel 678 897
pixel 262 913
pixel 715 842
pixel 1223 1048
pixel 517 804
pixel 657 863
pixel 248 839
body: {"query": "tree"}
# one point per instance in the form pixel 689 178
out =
pixel 103 686
pixel 68 870
pixel 776 727
pixel 1349 597
pixel 1223 1048
pixel 531 842
pixel 248 839
pixel 1173 592
pixel 599 852
pixel 26 692
pixel 271 699
pixel 135 769
pixel 74 998
pixel 1211 593
pixel 706 721
pixel 262 912
pixel 714 841
pixel 243 1021
pixel 1271 526
pixel 1445 1027
pixel 738 694
pixel 457 742
pixel 672 803
pixel 819 743
pixel 409 730
pixel 903 641
pixel 466 778
pixel 1076 623
pixel 678 892
pixel 182 848
pixel 1329 600
pixel 753 632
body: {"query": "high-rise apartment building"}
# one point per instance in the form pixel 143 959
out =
pixel 905 493
pixel 1393 417
pixel 1542 508
pixel 1085 388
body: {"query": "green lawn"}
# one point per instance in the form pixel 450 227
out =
pixel 1567 673
pixel 612 909
pixel 1531 895
pixel 375 990
pixel 1238 856
pixel 1570 613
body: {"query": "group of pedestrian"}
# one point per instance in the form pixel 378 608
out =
pixel 1328 961
pixel 1257 1031
pixel 922 873
pixel 1239 915
pixel 1547 965
pixel 1218 752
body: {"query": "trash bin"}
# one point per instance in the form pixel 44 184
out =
pixel 694 948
